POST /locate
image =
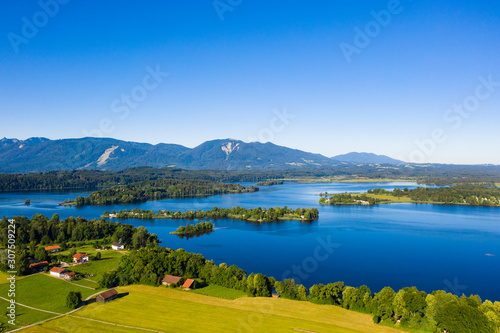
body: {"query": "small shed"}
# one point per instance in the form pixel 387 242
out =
pixel 107 296
pixel 188 284
pixel 170 279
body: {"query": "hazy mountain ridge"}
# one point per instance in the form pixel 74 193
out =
pixel 41 154
pixel 366 158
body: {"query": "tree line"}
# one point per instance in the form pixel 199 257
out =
pixel 94 179
pixel 157 190
pixel 253 214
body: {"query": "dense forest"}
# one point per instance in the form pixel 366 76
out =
pixel 347 199
pixel 473 195
pixel 43 231
pixel 157 190
pixel 413 309
pixel 93 179
pixel 254 214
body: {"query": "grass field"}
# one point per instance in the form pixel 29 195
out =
pixel 389 198
pixel 170 310
pixel 110 260
pixel 82 249
pixel 24 316
pixel 3 277
pixel 86 283
pixel 218 291
pixel 44 292
pixel 74 324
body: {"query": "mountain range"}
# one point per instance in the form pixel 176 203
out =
pixel 42 154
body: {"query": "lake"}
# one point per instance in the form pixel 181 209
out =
pixel 455 248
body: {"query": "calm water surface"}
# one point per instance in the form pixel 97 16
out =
pixel 428 246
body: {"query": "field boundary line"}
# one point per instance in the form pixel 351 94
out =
pixel 121 325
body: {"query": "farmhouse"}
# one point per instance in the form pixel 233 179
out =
pixel 57 272
pixel 53 248
pixel 117 246
pixel 69 275
pixel 188 284
pixel 80 258
pixel 38 265
pixel 107 296
pixel 170 279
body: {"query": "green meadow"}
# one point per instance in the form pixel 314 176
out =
pixel 171 310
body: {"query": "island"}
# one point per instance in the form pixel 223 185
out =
pixel 158 190
pixel 469 195
pixel 237 213
pixel 201 228
pixel 343 199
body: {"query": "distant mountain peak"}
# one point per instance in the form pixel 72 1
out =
pixel 366 158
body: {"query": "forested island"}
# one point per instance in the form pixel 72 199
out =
pixel 342 199
pixel 191 229
pixel 238 213
pixel 471 195
pixel 157 190
pixel 269 182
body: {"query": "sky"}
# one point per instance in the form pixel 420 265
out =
pixel 415 80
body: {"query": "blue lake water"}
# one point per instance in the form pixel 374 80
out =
pixel 455 248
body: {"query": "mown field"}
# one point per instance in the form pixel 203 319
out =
pixel 24 316
pixel 389 198
pixel 44 292
pixel 170 310
pixel 3 277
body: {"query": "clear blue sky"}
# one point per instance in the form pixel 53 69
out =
pixel 228 78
